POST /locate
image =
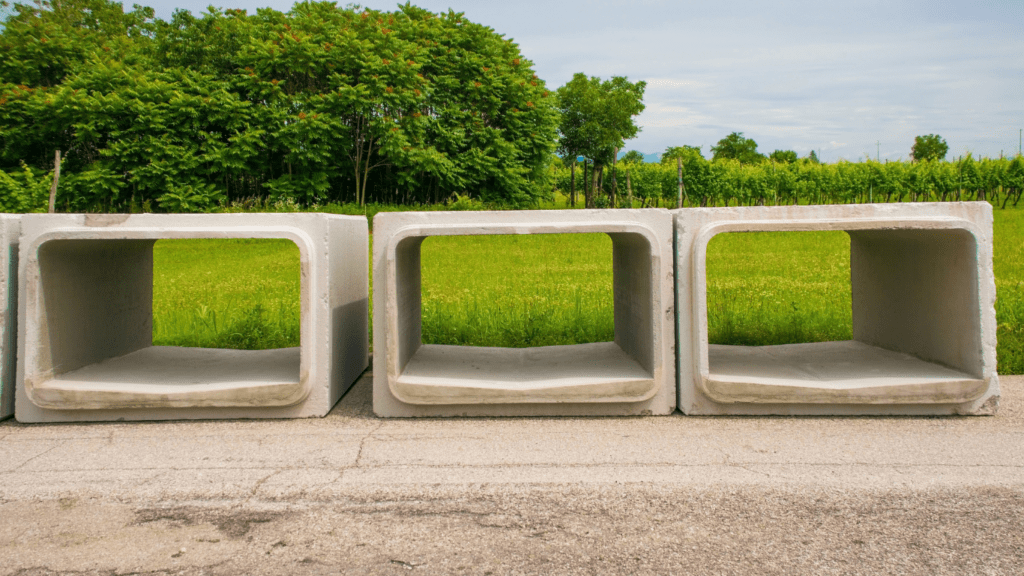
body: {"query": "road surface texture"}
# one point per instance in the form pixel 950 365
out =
pixel 354 494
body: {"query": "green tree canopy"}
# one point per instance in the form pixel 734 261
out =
pixel 736 147
pixel 783 156
pixel 929 147
pixel 633 157
pixel 317 104
pixel 672 152
pixel 597 118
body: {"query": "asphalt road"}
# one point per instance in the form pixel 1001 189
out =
pixel 354 494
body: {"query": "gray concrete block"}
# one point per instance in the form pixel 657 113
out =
pixel 632 375
pixel 924 329
pixel 10 226
pixel 86 324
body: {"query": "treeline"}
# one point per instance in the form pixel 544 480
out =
pixel 320 104
pixel 731 183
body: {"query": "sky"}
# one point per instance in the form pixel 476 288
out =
pixel 846 79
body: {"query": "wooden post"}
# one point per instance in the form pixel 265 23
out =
pixel 572 184
pixel 56 177
pixel 629 190
pixel 679 171
pixel 615 157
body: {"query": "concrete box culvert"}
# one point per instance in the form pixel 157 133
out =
pixel 924 329
pixel 632 375
pixel 10 226
pixel 86 323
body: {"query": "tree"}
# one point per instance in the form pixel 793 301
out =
pixel 684 152
pixel 930 147
pixel 597 117
pixel 736 147
pixel 783 156
pixel 813 158
pixel 318 104
pixel 633 157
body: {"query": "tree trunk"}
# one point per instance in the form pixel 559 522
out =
pixel 572 184
pixel 594 182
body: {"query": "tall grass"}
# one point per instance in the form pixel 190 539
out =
pixel 778 288
pixel 226 293
pixel 517 291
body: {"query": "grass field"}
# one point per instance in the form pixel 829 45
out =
pixel 763 288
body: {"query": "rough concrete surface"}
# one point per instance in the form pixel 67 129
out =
pixel 355 494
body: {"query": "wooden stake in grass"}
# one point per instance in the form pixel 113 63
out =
pixel 56 177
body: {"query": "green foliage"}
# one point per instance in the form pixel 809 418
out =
pixel 597 118
pixel 632 157
pixel 684 152
pixel 930 147
pixel 783 156
pixel 730 182
pixel 736 147
pixel 24 190
pixel 316 105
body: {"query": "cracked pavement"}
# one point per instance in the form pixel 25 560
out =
pixel 355 494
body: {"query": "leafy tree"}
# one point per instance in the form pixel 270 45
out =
pixel 930 147
pixel 684 152
pixel 736 147
pixel 783 156
pixel 596 119
pixel 633 157
pixel 317 104
pixel 43 42
pixel 813 157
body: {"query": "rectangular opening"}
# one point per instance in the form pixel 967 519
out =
pixel 517 318
pixel 146 323
pixel 865 316
pixel 517 291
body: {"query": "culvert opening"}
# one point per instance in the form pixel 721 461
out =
pixel 237 293
pixel 145 323
pixel 517 290
pixel 766 288
pixel 865 316
pixel 525 318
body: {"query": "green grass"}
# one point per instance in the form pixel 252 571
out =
pixel 778 288
pixel 763 288
pixel 241 294
pixel 517 291
pixel 1008 261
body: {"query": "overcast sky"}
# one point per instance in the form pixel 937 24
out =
pixel 845 78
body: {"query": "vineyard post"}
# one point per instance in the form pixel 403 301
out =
pixel 679 171
pixel 56 177
pixel 629 190
pixel 615 157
